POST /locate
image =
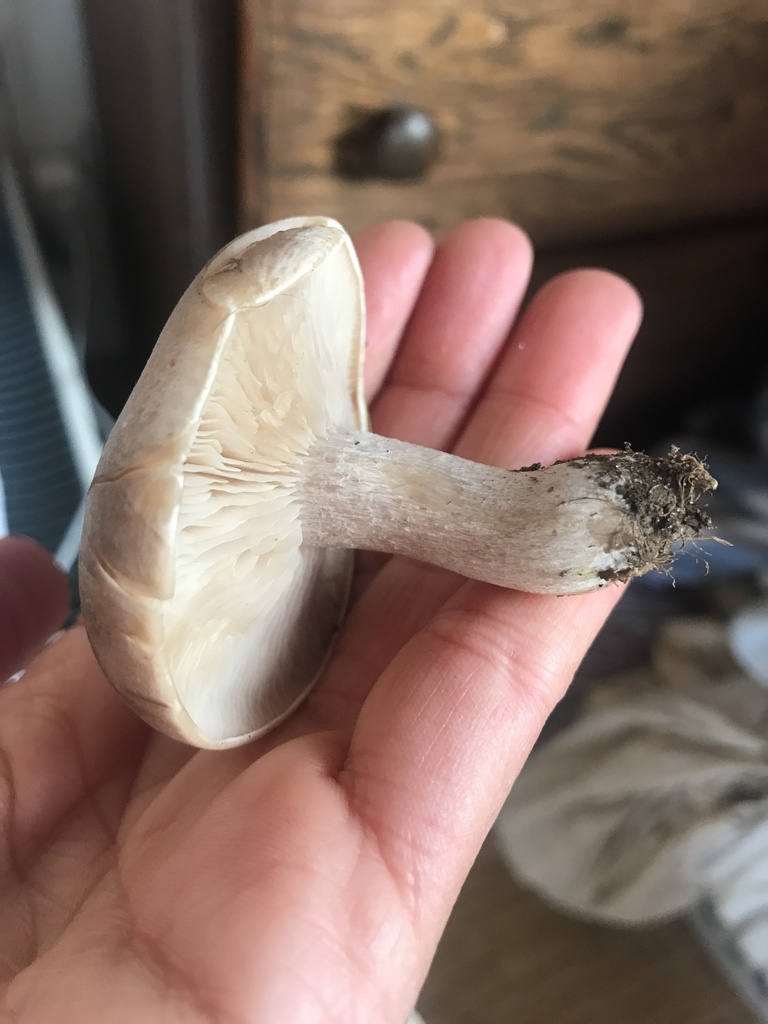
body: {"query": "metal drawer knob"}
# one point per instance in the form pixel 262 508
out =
pixel 398 143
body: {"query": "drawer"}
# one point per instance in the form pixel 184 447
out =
pixel 581 120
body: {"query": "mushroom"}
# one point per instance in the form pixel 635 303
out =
pixel 221 525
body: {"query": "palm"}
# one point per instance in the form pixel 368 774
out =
pixel 307 877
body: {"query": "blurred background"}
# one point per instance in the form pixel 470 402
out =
pixel 138 138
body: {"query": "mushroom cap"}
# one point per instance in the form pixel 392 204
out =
pixel 203 608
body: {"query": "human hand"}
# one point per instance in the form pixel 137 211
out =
pixel 308 876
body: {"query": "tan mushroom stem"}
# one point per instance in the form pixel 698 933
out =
pixel 567 528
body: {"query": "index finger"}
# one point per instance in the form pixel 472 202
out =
pixel 394 258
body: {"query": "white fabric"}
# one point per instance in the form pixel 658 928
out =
pixel 749 640
pixel 657 796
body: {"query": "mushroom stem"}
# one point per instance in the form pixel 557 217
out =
pixel 565 529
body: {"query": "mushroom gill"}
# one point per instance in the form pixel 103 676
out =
pixel 241 573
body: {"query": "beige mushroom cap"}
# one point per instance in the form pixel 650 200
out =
pixel 203 608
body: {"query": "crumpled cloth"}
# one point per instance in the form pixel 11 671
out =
pixel 657 796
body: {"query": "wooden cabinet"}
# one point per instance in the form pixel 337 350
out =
pixel 632 134
pixel 580 120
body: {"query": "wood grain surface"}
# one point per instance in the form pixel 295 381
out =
pixel 507 958
pixel 580 120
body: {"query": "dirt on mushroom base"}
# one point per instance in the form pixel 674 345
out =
pixel 660 495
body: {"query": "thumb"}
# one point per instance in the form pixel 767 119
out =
pixel 34 597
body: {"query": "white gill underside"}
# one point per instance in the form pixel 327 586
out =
pixel 243 583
